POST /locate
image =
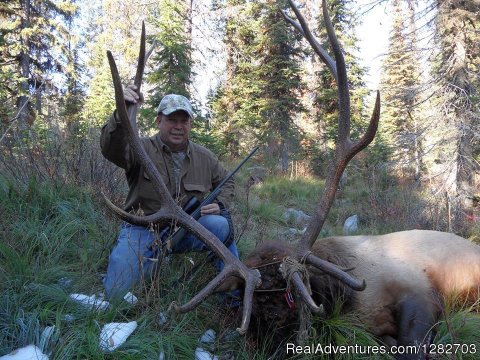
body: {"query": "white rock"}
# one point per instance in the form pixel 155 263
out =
pixel 297 217
pixel 130 298
pixel 201 354
pixel 161 356
pixel 92 302
pixel 208 337
pixel 350 225
pixel 115 334
pixel 30 352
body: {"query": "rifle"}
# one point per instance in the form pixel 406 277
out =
pixel 170 238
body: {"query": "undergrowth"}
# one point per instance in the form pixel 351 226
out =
pixel 55 240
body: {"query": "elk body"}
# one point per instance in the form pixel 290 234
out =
pixel 408 275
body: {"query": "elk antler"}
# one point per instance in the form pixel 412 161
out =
pixel 169 210
pixel 345 150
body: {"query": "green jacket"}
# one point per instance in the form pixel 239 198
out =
pixel 201 170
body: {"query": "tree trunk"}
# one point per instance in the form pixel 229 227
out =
pixel 23 102
pixel 461 51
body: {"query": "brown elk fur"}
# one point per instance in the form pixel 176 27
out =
pixel 408 271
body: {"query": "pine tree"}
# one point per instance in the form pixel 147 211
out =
pixel 73 98
pixel 399 86
pixel 32 34
pixel 280 72
pixel 172 62
pixel 259 99
pixel 234 105
pixel 114 25
pixel 458 83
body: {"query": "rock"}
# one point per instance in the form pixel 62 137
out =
pixel 208 337
pixel 130 298
pixel 296 217
pixel 30 352
pixel 161 356
pixel 201 354
pixel 91 302
pixel 115 334
pixel 351 225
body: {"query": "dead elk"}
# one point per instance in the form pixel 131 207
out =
pixel 408 275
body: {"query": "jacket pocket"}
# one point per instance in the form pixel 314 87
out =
pixel 195 188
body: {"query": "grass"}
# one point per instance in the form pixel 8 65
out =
pixel 50 233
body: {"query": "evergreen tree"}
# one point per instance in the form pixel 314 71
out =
pixel 458 67
pixel 234 105
pixel 172 62
pixel 399 86
pixel 32 38
pixel 259 99
pixel 114 25
pixel 280 86
pixel 73 98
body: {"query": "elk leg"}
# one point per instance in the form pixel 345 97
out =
pixel 415 319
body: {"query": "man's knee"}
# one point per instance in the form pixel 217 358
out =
pixel 217 225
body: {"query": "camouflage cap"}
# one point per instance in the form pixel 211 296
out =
pixel 173 102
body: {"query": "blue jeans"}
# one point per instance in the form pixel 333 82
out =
pixel 131 260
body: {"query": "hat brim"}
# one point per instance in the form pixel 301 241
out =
pixel 171 110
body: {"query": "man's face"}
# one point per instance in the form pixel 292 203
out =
pixel 175 129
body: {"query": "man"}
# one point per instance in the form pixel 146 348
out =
pixel 187 169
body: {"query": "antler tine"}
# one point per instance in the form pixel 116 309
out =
pixel 342 84
pixel 304 29
pixel 305 295
pixel 252 280
pixel 337 273
pixel 142 60
pixel 160 217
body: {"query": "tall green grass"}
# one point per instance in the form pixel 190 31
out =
pixel 56 241
pixel 50 233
